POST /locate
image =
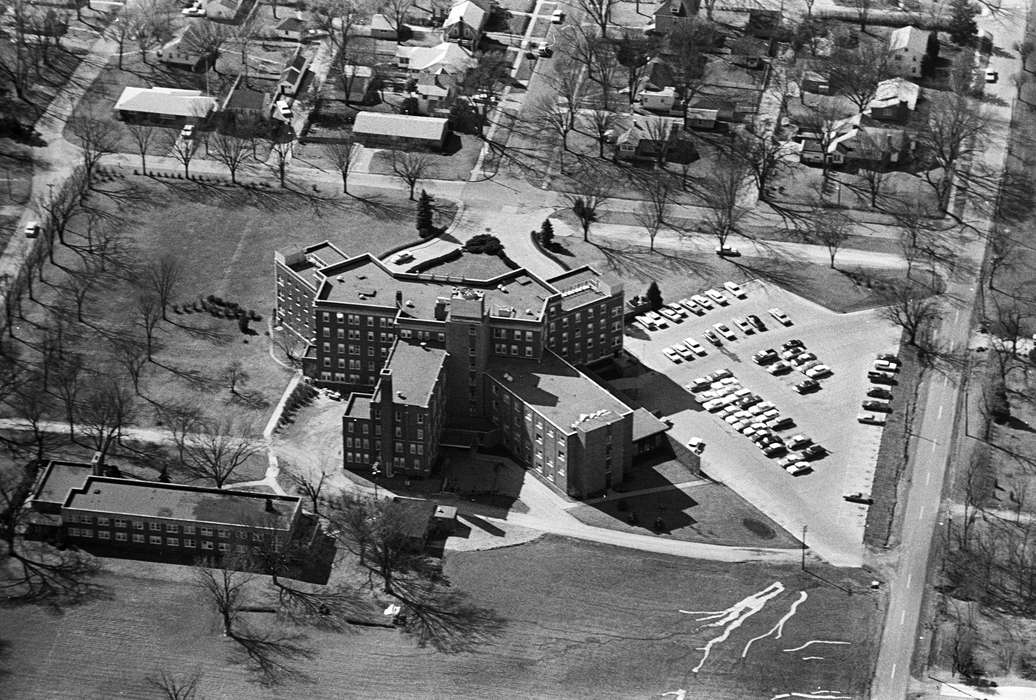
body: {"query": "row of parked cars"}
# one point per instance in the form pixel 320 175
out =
pixel 699 304
pixel 878 403
pixel 758 420
pixel 793 355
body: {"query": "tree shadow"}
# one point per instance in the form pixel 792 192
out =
pixel 272 654
pixel 446 620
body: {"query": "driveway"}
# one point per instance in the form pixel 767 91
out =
pixel 845 342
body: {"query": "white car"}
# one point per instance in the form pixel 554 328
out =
pixel 692 306
pixel 32 229
pixel 696 444
pixel 557 17
pixel 739 425
pixel 717 296
pixel 645 322
pixel 780 367
pixel 781 317
pixel 695 347
pixel 670 314
pixel 769 415
pixel 671 354
pixel 724 330
pixel 702 301
pixel 745 327
pixel 798 468
pixel 731 419
pixel 677 309
pixel 818 371
pixel 735 289
pixel 798 441
pixel 683 352
pixel 714 406
pixel 727 381
pixel 187 132
pixel 193 11
pixel 886 366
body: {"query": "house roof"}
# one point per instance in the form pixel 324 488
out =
pixel 890 93
pixel 446 57
pixel 583 286
pixel 647 127
pixel 244 97
pixel 909 38
pixel 57 479
pixel 415 370
pixel 152 499
pixel 167 101
pixel 645 424
pixel 381 23
pixel 400 126
pixel 291 24
pixel 558 391
pixel 467 12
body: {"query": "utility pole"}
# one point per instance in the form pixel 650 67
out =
pixel 803 547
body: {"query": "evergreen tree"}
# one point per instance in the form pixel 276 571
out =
pixel 962 22
pixel 546 233
pixel 424 214
pixel 654 296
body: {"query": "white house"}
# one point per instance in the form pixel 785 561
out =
pixel 446 58
pixel 164 104
pixel 894 99
pixel 907 48
pixel 464 23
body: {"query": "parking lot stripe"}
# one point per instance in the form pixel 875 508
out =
pixel 940 412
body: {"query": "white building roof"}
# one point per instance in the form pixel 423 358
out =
pixel 908 38
pixel 447 57
pixel 400 126
pixel 467 12
pixel 890 93
pixel 166 101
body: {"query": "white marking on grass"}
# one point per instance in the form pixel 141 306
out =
pixel 680 694
pixel 809 658
pixel 813 696
pixel 733 617
pixel 815 641
pixel 779 627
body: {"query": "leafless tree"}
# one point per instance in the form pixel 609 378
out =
pixel 856 72
pixel 218 449
pixel 31 401
pixel 875 178
pixel 336 18
pixel 598 11
pixel 486 80
pixel 396 11
pixel 225 590
pixel 235 377
pixel 863 12
pixel 686 51
pixel 556 118
pixel 66 376
pixel 104 410
pixel 590 194
pixel 914 315
pixel 17 64
pixel 208 40
pixel 120 30
pixel 131 354
pixel 410 167
pixel 954 131
pixel 634 52
pixel 602 124
pixel 721 194
pixel 163 277
pixel 149 314
pixel 656 208
pixel 918 234
pixel 181 418
pixel 342 156
pixel 280 154
pixel 309 482
pixel 829 227
pixel 172 687
pixel 231 151
pixel 142 136
pixel 821 120
pixel 765 157
pixel 60 205
pixel 182 150
pixel 1003 254
pixel 152 24
pixel 96 140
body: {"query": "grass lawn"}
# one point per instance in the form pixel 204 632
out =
pixel 472 266
pixel 580 621
pixel 801 185
pixel 15 186
pixel 463 153
pixel 223 240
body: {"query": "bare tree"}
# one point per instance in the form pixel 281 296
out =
pixel 634 52
pixel 31 401
pixel 914 315
pixel 590 194
pixel 163 277
pixel 856 72
pixel 765 157
pixel 954 131
pixel 225 590
pixel 821 120
pixel 486 80
pixel 120 30
pixel 602 123
pixel 556 118
pixel 66 376
pixel 231 151
pixel 863 12
pixel 342 156
pixel 917 233
pixel 828 227
pixel 131 354
pixel 309 483
pixel 410 167
pixel 598 11
pixel 235 376
pixel 280 154
pixel 149 315
pixel 181 418
pixel 658 189
pixel 218 449
pixel 336 19
pixel 721 194
pixel 103 411
pixel 173 687
pixel 181 149
pixel 152 24
pixel 142 136
pixel 96 140
pixel 17 64
pixel 1003 254
pixel 686 51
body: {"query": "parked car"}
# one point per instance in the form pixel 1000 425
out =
pixel 808 364
pixel 193 11
pixel 671 354
pixel 877 392
pixel 807 386
pixel 779 368
pixel 713 338
pixel 858 497
pixel 780 423
pixel 699 384
pixel 799 441
pixel 761 408
pixel 32 229
pixel 775 449
pixel 769 414
pixel 881 378
pixel 791 353
pixel 187 132
pixel 792 343
pixel 818 371
pixel 670 314
pixel 557 17
pixel 692 306
pixel 735 289
pixel 722 373
pixel 798 468
pixel 765 357
pixel 886 366
pixel 677 309
pixel 702 301
pixel 714 406
pixel 992 76
pixel 878 405
pixel 814 451
pixel 871 418
pixel 802 358
pixel 728 252
pixel 717 296
pixel 697 445
pixel 889 357
pixel 739 424
pixel 781 317
pixel 545 51
pixel 757 322
pixel 749 400
pixel 724 330
pixel 682 351
pixel 745 327
pixel 402 258
pixel 695 346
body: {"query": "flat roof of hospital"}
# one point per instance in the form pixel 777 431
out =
pixel 415 369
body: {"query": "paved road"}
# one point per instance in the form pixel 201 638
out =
pixel 933 444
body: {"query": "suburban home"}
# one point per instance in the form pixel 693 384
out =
pixel 357 81
pixel 164 105
pixel 655 91
pixel 670 13
pixel 291 28
pixel 378 129
pixel 664 100
pixel 293 73
pixel 907 48
pixel 653 139
pixel 446 58
pixel 381 27
pixel 225 10
pixel 464 23
pixel 851 142
pixel 706 113
pixel 184 53
pixel 894 100
pixel 245 102
pixel 815 82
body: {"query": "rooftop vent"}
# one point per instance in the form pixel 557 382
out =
pixel 508 377
pixel 424 345
pixel 410 303
pixel 401 395
pixel 340 279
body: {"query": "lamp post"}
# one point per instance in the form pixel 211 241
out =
pixel 803 547
pixel 375 472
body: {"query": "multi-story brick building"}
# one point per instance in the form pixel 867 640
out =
pixel 158 520
pixel 374 330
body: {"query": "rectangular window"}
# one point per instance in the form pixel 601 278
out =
pixel 528 351
pixel 103 522
pixel 138 539
pixel 172 541
pixel 341 333
pixel 120 536
pixel 154 539
pixel 224 533
pixel 514 349
pixel 155 527
pixel 104 535
pixel 223 547
pixel 326 332
pixel 172 528
pixel 120 523
pixel 206 545
pixel 370 336
pixel 188 542
pixel 420 419
pixel 206 532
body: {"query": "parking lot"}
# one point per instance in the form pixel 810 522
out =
pixel 847 343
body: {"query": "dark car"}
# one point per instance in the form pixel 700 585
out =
pixel 713 338
pixel 765 357
pixel 782 423
pixel 814 451
pixel 775 449
pixel 881 377
pixel 879 406
pixel 757 322
pixel 858 498
pixel 877 392
pixel 792 343
pixel 807 386
pixel 889 357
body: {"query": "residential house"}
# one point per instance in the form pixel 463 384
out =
pixel 357 81
pixel 429 98
pixel 446 58
pixel 291 28
pixel 378 129
pixel 656 91
pixel 655 139
pixel 160 104
pixel 223 10
pixel 815 82
pixel 670 13
pixel 464 23
pixel 244 101
pixel 709 113
pixel 894 100
pixel 293 73
pixel 381 27
pixel 184 52
pixel 852 141
pixel 907 48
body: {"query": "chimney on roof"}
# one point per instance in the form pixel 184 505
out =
pixel 96 465
pixel 298 15
pixel 440 309
pixel 399 299
pixel 270 508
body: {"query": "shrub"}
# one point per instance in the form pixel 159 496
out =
pixel 484 243
pixel 176 308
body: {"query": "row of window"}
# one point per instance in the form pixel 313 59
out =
pixel 501 334
pixel 501 349
pixel 354 319
pixel 102 521
pixel 152 539
pixel 355 334
pixel 421 335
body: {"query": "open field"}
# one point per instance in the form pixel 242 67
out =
pixel 456 163
pixel 572 629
